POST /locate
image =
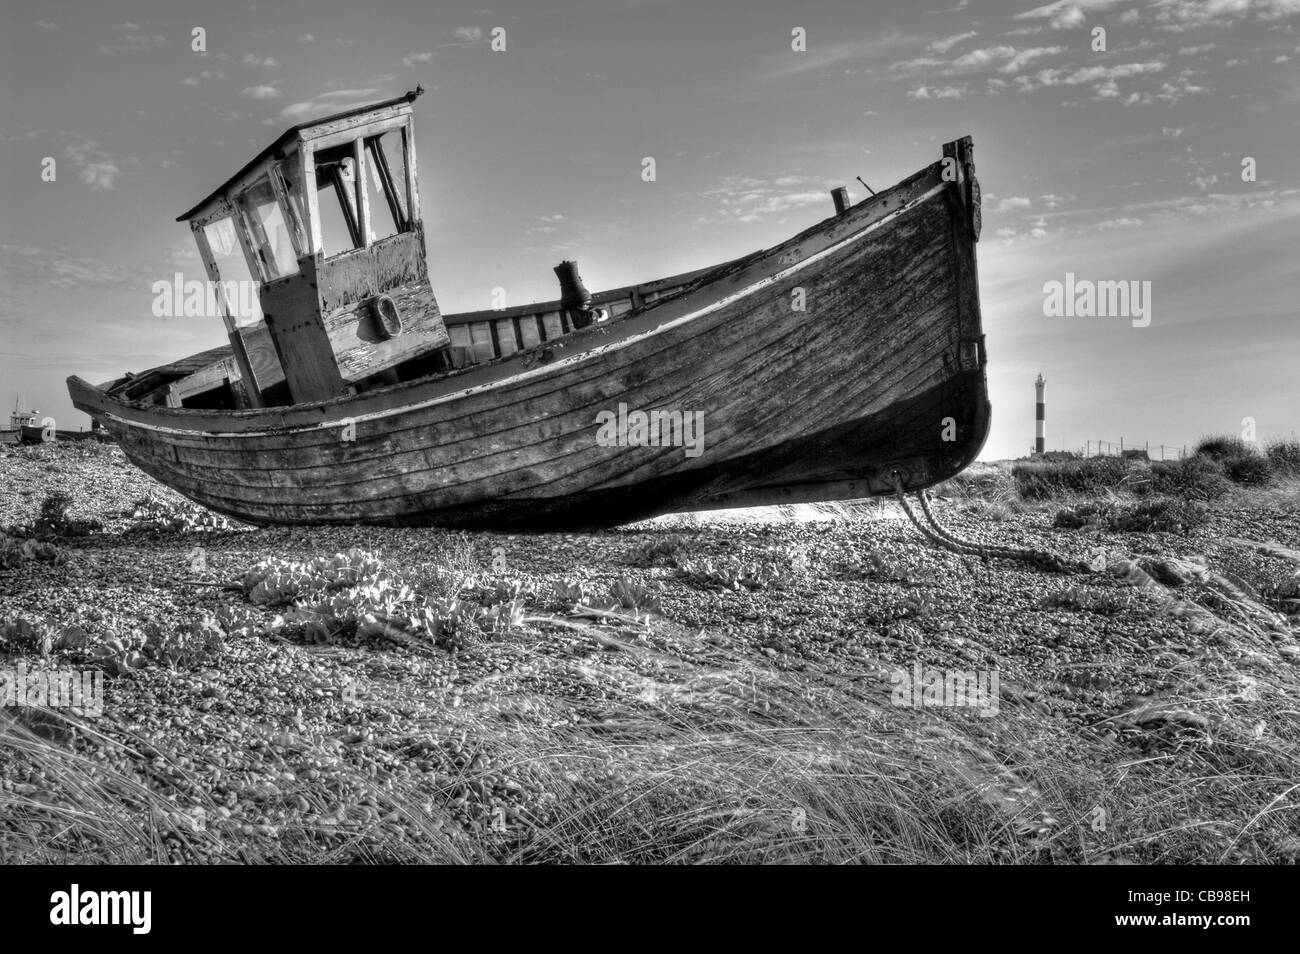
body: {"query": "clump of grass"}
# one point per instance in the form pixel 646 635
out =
pixel 15 551
pixel 729 573
pixel 1284 455
pixel 1193 478
pixel 636 596
pixel 155 514
pixel 1161 515
pixel 995 510
pixel 1249 470
pixel 1221 447
pixel 669 551
pixel 978 482
pixel 1043 480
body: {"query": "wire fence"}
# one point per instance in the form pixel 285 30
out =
pixel 1118 448
pixel 1122 447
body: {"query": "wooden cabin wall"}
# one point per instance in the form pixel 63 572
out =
pixel 362 273
pixel 306 354
pixel 394 266
pixel 361 350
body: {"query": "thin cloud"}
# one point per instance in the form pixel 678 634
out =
pixel 1024 57
pixel 749 199
pixel 349 93
pixel 947 43
pixel 820 56
pixel 1067 14
pixel 97 169
pixel 39 267
pixel 937 92
pixel 130 38
pixel 411 60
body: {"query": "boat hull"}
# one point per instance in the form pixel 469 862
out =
pixel 841 364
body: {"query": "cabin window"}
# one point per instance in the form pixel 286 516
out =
pixel 382 224
pixel 287 178
pixel 336 187
pixel 267 232
pixel 389 203
pixel 238 286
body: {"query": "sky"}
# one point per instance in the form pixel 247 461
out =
pixel 1111 156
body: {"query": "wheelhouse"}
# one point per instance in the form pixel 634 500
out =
pixel 324 224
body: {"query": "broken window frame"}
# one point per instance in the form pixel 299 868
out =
pixel 400 194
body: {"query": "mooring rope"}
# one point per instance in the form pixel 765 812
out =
pixel 941 537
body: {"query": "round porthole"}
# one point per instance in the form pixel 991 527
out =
pixel 386 316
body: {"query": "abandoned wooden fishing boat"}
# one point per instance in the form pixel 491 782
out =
pixel 838 364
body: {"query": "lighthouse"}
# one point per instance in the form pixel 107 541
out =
pixel 1040 437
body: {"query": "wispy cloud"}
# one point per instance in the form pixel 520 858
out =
pixel 96 168
pixel 411 60
pixel 266 63
pixel 748 199
pixel 46 25
pixel 333 101
pixel 130 38
pixel 1023 58
pixel 38 266
pixel 260 92
pixel 205 75
pixel 937 92
pixel 1067 14
pixel 947 43
pixel 820 56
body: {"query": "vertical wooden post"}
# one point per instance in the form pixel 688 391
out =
pixel 840 195
pixel 412 180
pixel 363 194
pixel 307 172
